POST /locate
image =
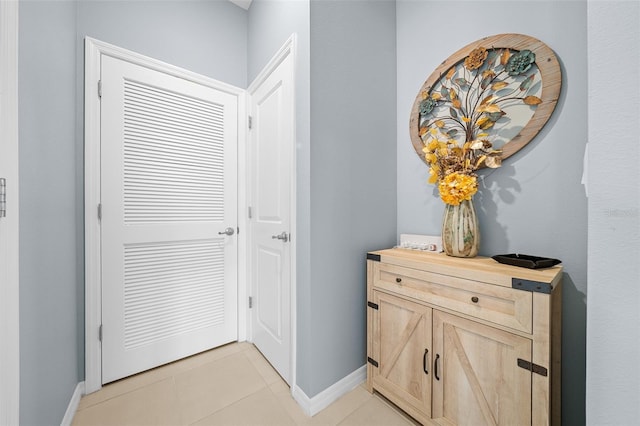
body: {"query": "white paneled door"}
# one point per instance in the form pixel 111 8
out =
pixel 169 218
pixel 272 163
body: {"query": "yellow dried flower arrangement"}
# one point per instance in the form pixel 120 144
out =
pixel 453 167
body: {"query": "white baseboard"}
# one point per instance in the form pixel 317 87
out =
pixel 312 406
pixel 73 405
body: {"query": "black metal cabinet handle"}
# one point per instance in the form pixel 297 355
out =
pixel 424 361
pixel 435 367
pixel 398 279
pixel 474 299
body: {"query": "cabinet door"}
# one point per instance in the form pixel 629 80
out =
pixel 476 379
pixel 402 348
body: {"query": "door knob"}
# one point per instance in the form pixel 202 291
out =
pixel 283 236
pixel 229 231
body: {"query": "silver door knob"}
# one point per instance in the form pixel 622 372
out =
pixel 283 236
pixel 228 231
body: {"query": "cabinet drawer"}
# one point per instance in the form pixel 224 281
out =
pixel 501 305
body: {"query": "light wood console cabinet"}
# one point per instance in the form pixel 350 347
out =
pixel 464 341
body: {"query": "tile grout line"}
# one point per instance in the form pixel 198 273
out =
pixel 178 401
pixel 396 409
pixel 122 393
pixel 228 405
pixel 266 385
pixel 281 405
pixel 161 377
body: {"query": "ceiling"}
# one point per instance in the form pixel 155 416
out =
pixel 242 3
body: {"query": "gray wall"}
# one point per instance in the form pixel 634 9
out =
pixel 270 25
pixel 353 176
pixel 206 37
pixel 345 166
pixel 613 317
pixel 49 305
pixel 534 203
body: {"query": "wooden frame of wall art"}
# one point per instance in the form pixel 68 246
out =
pixel 497 92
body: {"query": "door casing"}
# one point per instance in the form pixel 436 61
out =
pixel 9 241
pixel 94 49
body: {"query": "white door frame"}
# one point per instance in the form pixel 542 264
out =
pixel 9 243
pixel 288 49
pixel 94 49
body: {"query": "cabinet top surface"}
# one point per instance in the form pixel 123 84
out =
pixel 478 268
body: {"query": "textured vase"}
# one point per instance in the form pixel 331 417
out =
pixel 460 232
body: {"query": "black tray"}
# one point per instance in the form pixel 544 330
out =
pixel 526 261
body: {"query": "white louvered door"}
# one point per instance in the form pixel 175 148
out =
pixel 169 189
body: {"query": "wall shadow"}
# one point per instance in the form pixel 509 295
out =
pixel 485 202
pixel 574 344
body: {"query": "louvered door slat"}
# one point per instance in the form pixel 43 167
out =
pixel 153 93
pixel 177 143
pixel 151 168
pixel 176 303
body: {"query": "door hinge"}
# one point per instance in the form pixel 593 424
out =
pixel 372 305
pixel 100 88
pixel 534 368
pixel 249 212
pixel 3 197
pixel 250 302
pixel 100 333
pixel 100 211
pixel 372 361
pixel 250 122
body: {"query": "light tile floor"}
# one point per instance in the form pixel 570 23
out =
pixel 230 385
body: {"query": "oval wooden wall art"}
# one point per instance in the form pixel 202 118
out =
pixel 502 89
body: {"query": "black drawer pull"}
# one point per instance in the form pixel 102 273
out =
pixel 435 367
pixel 424 361
pixel 398 279
pixel 474 299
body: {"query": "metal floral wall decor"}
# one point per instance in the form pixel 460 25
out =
pixel 479 107
pixel 485 102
